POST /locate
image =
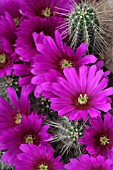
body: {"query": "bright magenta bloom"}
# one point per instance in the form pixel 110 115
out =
pixel 11 114
pixel 25 44
pixel 7 41
pixel 86 162
pixel 44 9
pixel 80 95
pixel 37 158
pixel 29 131
pixel 98 137
pixel 57 55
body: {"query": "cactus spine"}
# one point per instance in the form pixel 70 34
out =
pixel 66 134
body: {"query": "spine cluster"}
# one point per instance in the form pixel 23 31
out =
pixel 67 134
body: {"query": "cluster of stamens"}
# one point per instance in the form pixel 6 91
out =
pixel 46 12
pixel 4 61
pixel 104 140
pixel 2 58
pixel 29 139
pixel 17 21
pixel 42 167
pixel 82 99
pixel 18 119
pixel 65 63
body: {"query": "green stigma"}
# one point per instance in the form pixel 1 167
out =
pixel 46 12
pixel 18 119
pixel 29 139
pixel 43 167
pixel 16 20
pixel 65 63
pixel 104 140
pixel 2 58
pixel 82 99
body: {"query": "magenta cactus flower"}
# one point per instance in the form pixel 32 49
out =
pixel 57 55
pixel 12 7
pixel 54 55
pixel 29 131
pixel 11 114
pixel 98 137
pixel 80 95
pixel 37 157
pixel 44 9
pixel 8 22
pixel 86 162
pixel 7 40
pixel 25 44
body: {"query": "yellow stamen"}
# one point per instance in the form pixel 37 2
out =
pixel 16 20
pixel 29 139
pixel 82 99
pixel 2 58
pixel 46 12
pixel 104 140
pixel 18 119
pixel 43 167
pixel 65 63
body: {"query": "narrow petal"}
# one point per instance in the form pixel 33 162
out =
pixel 108 91
pixel 93 85
pixel 13 98
pixel 106 107
pixel 66 110
pixel 72 77
pixel 82 77
pixel 81 51
pixel 58 38
pixel 93 112
pixel 88 59
pixel 25 103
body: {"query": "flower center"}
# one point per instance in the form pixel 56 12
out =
pixel 82 99
pixel 16 20
pixel 29 139
pixel 2 58
pixel 46 12
pixel 18 119
pixel 104 140
pixel 65 63
pixel 43 167
pixel 4 61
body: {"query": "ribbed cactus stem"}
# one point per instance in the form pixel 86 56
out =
pixel 83 25
pixel 86 22
pixel 67 133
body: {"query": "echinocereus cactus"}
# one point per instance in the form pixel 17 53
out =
pixel 86 23
pixel 66 133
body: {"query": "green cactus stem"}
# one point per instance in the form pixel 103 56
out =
pixel 87 24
